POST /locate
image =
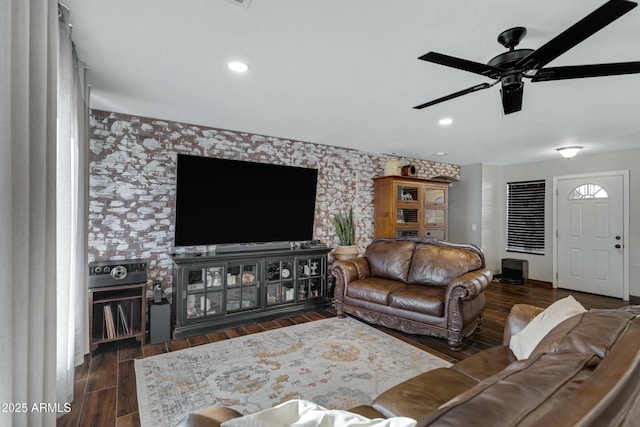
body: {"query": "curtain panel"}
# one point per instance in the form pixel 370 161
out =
pixel 28 97
pixel 43 188
pixel 71 195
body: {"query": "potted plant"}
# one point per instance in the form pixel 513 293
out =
pixel 346 231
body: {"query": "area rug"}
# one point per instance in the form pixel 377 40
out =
pixel 336 363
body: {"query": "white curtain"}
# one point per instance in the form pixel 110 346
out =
pixel 28 80
pixel 72 184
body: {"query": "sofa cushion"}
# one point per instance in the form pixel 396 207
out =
pixel 390 259
pixel 374 289
pixel 422 394
pixel 595 331
pixel 420 299
pixel 523 343
pixel 509 397
pixel 438 265
pixel 481 366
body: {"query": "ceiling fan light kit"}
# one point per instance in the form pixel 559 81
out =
pixel 569 152
pixel 509 68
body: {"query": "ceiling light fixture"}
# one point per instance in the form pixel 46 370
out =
pixel 440 153
pixel 569 152
pixel 445 121
pixel 238 67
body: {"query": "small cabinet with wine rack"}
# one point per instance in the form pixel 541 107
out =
pixel 217 291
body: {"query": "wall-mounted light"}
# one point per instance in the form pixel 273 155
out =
pixel 569 152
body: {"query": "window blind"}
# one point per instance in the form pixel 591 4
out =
pixel 525 217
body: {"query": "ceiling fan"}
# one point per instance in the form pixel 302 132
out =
pixel 509 68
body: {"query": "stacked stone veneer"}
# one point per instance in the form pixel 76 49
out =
pixel 132 177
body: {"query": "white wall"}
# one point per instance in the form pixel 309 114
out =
pixel 492 221
pixel 495 178
pixel 465 207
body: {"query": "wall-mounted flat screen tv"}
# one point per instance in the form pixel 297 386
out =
pixel 220 201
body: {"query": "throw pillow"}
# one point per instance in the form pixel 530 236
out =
pixel 523 343
pixel 304 413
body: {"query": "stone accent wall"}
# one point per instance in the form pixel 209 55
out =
pixel 132 172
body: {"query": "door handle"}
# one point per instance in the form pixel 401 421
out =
pixel 617 246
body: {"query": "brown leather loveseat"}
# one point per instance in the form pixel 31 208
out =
pixel 418 286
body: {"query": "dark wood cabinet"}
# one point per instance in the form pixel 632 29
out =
pixel 217 291
pixel 116 313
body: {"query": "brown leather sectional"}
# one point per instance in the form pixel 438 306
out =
pixel 418 286
pixel 585 372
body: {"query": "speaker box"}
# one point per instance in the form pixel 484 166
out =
pixel 159 322
pixel 515 271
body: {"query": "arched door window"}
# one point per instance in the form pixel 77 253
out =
pixel 588 191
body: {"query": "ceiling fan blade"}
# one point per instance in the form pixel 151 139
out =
pixel 454 95
pixel 582 71
pixel 512 99
pixel 575 34
pixel 462 64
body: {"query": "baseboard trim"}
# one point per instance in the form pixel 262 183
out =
pixel 533 282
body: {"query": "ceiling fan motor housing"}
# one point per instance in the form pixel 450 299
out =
pixel 512 81
pixel 509 59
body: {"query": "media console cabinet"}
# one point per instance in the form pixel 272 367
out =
pixel 219 291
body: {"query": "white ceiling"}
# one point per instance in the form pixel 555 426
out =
pixel 346 73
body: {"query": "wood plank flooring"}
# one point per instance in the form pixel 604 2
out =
pixel 105 386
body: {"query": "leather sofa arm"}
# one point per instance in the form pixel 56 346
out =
pixel 519 317
pixel 468 286
pixel 346 271
pixel 350 269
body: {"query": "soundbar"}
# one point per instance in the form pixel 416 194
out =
pixel 244 247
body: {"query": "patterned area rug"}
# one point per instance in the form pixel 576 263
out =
pixel 336 363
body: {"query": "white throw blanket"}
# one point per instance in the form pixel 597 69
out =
pixel 303 413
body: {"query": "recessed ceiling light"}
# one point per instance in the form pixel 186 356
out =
pixel 238 67
pixel 441 153
pixel 446 121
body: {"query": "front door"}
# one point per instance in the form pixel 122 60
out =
pixel 590 234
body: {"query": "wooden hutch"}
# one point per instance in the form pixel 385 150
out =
pixel 410 207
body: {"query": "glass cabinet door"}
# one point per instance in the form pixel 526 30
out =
pixel 280 276
pixel 434 195
pixel 436 233
pixel 434 217
pixel 406 216
pixel 243 283
pixel 407 232
pixel 407 193
pixel 310 278
pixel 205 292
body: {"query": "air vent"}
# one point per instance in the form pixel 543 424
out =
pixel 243 3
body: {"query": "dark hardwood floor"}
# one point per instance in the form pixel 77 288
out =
pixel 105 386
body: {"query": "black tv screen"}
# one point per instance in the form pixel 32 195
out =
pixel 220 201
